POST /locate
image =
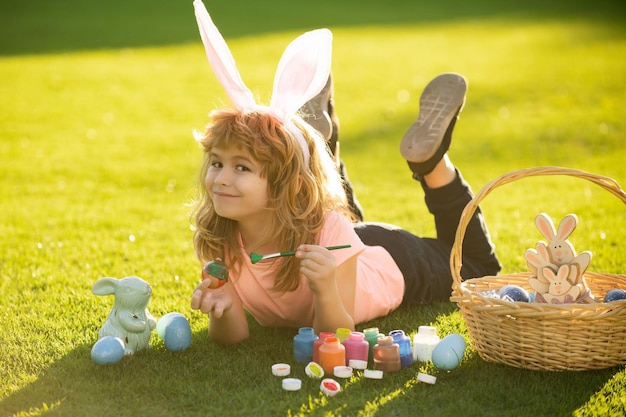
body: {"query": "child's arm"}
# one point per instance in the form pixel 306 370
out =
pixel 227 320
pixel 332 285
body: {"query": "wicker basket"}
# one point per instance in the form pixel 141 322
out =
pixel 535 335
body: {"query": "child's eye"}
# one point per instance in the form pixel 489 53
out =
pixel 242 168
pixel 216 164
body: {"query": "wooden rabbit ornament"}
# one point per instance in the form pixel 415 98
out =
pixel 560 249
pixel 557 271
pixel 560 289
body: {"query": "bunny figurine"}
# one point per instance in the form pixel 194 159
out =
pixel 557 272
pixel 129 319
pixel 537 260
pixel 561 289
pixel 560 249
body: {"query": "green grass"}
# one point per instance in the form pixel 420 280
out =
pixel 97 107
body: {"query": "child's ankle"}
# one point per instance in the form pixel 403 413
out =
pixel 443 174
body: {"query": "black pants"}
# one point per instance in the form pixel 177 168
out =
pixel 425 262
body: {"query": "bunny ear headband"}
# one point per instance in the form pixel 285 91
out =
pixel 302 72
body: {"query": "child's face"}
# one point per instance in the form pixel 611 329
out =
pixel 234 183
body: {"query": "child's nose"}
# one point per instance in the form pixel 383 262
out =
pixel 222 177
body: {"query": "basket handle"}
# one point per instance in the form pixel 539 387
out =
pixel 608 184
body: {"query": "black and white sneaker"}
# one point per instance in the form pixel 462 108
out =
pixel 316 111
pixel 428 139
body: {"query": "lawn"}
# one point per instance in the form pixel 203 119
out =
pixel 98 168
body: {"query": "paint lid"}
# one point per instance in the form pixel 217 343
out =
pixel 313 370
pixel 373 374
pixel 342 371
pixel 330 387
pixel 357 364
pixel 429 379
pixel 281 369
pixel 292 384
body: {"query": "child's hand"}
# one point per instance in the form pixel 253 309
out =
pixel 208 300
pixel 319 265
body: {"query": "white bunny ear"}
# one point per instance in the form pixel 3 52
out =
pixel 221 60
pixel 105 286
pixel 302 72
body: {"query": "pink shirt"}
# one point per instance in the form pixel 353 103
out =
pixel 379 282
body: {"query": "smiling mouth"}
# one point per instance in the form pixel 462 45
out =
pixel 218 194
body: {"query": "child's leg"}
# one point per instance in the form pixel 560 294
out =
pixel 353 203
pixel 446 203
pixel 425 147
pixel 320 113
pixel 422 261
pixel 425 262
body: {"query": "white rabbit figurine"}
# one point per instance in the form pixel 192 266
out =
pixel 561 290
pixel 129 319
pixel 561 250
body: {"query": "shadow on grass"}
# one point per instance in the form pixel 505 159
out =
pixel 211 380
pixel 478 388
pixel 206 378
pixel 41 26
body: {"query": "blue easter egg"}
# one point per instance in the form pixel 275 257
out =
pixel 177 336
pixel 515 293
pixel 449 352
pixel 615 295
pixel 164 321
pixel 108 350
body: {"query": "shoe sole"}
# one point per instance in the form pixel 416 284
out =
pixel 440 102
pixel 315 111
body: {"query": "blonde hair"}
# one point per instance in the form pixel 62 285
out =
pixel 299 195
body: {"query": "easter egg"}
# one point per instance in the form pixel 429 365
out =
pixel 514 293
pixel 108 350
pixel 177 336
pixel 615 295
pixel 164 321
pixel 449 352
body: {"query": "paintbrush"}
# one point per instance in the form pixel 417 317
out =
pixel 255 257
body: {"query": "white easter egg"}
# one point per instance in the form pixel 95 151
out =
pixel 164 321
pixel 108 350
pixel 449 352
pixel 177 336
